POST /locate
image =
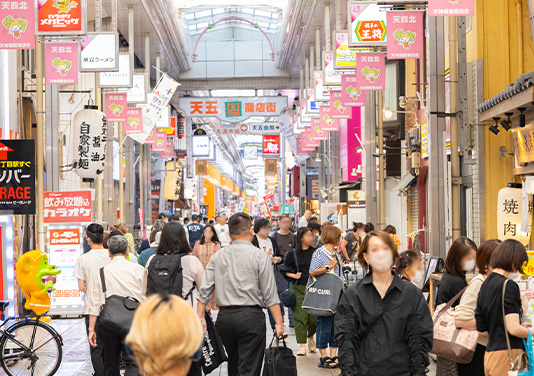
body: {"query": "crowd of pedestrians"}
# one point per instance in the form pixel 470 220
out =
pixel 234 269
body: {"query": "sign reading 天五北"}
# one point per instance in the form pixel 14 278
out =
pixel 233 109
pixel 17 176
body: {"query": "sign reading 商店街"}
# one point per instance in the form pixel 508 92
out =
pixel 17 176
pixel 233 109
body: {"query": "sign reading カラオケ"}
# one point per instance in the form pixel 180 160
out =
pixel 233 109
pixel 17 28
pixel 67 207
pixel 405 35
pixel 61 17
pixel 62 63
pixel 367 24
pixel 17 176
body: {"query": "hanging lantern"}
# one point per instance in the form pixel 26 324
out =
pixel 180 127
pixel 89 142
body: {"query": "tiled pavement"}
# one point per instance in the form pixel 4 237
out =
pixel 76 359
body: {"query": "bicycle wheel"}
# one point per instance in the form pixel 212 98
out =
pixel 45 355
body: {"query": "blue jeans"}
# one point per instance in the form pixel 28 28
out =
pixel 325 332
pixel 271 318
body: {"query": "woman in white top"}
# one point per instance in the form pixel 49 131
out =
pixel 174 241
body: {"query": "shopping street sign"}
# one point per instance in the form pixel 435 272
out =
pixel 405 35
pixel 61 63
pixel 17 25
pixel 233 109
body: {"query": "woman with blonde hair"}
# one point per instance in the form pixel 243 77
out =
pixel 162 345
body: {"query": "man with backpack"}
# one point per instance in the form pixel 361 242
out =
pixel 243 277
pixel 352 240
pixel 195 230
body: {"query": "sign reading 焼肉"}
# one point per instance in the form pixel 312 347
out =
pixel 62 63
pixel 17 176
pixel 67 207
pixel 17 25
pixel 61 17
pixel 405 35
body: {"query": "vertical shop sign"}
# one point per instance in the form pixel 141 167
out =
pixel 509 207
pixel 17 31
pixel 116 105
pixel 338 109
pixel 440 8
pixel 89 142
pixel 367 24
pixel 17 176
pixel 134 121
pixel 271 166
pixel 424 140
pixel 64 247
pixel 350 95
pixel 62 63
pixel 371 72
pixel 67 207
pixel 350 134
pixel 61 17
pixel 203 210
pixel 270 202
pixel 312 187
pixel 405 35
pixel 271 144
pixel 345 57
pixel 328 123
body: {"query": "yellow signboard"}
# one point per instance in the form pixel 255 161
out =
pixel 528 269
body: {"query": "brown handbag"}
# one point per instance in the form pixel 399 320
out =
pixel 521 360
pixel 450 342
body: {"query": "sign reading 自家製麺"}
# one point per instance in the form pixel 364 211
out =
pixel 17 176
pixel 17 25
pixel 233 109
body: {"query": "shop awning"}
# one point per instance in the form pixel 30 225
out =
pixel 404 183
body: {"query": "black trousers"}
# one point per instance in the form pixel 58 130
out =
pixel 196 369
pixel 113 346
pixel 242 331
pixel 96 352
pixel 476 367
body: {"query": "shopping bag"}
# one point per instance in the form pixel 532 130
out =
pixel 279 360
pixel 530 353
pixel 213 353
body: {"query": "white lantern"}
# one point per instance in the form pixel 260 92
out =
pixel 89 142
pixel 509 206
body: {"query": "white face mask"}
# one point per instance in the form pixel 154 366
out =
pixel 470 265
pixel 513 275
pixel 381 261
pixel 418 276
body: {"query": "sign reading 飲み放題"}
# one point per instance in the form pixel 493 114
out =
pixel 17 176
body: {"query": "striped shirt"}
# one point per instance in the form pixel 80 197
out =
pixel 321 259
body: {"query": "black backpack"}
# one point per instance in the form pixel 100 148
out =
pixel 165 275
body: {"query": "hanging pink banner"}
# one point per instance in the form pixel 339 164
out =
pixel 371 72
pixel 328 123
pixel 17 31
pixel 62 63
pixel 160 141
pixel 337 108
pixel 350 160
pixel 316 130
pixel 152 136
pixel 116 106
pixel 306 141
pixel 134 121
pixel 350 96
pixel 440 8
pixel 405 35
pixel 169 149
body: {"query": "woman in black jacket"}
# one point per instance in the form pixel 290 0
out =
pixel 460 259
pixel 382 325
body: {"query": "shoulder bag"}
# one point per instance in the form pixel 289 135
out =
pixel 450 342
pixel 287 297
pixel 519 363
pixel 323 292
pixel 118 311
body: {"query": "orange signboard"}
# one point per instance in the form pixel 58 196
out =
pixel 61 17
pixel 64 236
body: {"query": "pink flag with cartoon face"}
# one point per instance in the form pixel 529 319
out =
pixel 152 136
pixel 17 27
pixel 328 123
pixel 134 121
pixel 405 35
pixel 160 141
pixel 116 106
pixel 316 130
pixel 62 63
pixel 440 8
pixel 169 149
pixel 370 72
pixel 337 108
pixel 350 96
pixel 309 139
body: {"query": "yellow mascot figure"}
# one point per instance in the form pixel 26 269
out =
pixel 36 278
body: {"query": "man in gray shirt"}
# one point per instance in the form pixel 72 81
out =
pixel 243 277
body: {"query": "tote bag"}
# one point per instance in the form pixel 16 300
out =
pixel 213 354
pixel 323 293
pixel 449 341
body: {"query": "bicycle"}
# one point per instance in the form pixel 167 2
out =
pixel 29 347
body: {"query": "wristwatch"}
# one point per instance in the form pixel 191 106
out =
pixel 327 268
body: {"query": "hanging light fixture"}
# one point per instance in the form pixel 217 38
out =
pixel 495 128
pixel 89 141
pixel 522 118
pixel 507 124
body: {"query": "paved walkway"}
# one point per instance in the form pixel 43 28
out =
pixel 76 359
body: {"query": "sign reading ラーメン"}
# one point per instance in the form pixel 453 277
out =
pixel 233 109
pixel 17 176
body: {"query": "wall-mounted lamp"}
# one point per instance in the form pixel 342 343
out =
pixel 356 171
pixel 522 119
pixel 504 152
pixel 495 127
pixel 388 114
pixel 359 149
pixel 507 124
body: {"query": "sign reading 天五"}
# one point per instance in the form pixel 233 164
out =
pixel 17 176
